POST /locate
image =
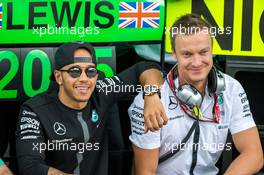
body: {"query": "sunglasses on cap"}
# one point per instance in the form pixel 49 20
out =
pixel 76 71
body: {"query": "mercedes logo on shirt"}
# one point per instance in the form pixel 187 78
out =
pixel 173 103
pixel 59 128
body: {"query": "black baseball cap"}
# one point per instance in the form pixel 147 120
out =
pixel 65 55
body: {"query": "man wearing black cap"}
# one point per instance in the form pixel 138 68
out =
pixel 65 132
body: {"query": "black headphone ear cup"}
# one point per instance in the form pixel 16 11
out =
pixel 212 80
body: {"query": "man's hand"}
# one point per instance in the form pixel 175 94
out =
pixel 5 171
pixel 154 114
pixel 54 171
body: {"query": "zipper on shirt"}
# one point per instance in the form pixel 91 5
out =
pixel 86 137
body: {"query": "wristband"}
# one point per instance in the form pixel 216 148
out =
pixel 150 90
pixel 1 162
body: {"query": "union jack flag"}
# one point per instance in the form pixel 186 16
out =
pixel 139 14
pixel 1 7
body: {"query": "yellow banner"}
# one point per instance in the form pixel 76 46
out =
pixel 241 23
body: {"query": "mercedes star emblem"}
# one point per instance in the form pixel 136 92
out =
pixel 59 128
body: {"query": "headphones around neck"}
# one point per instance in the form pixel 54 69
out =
pixel 189 95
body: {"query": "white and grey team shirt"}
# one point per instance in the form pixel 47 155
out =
pixel 235 116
